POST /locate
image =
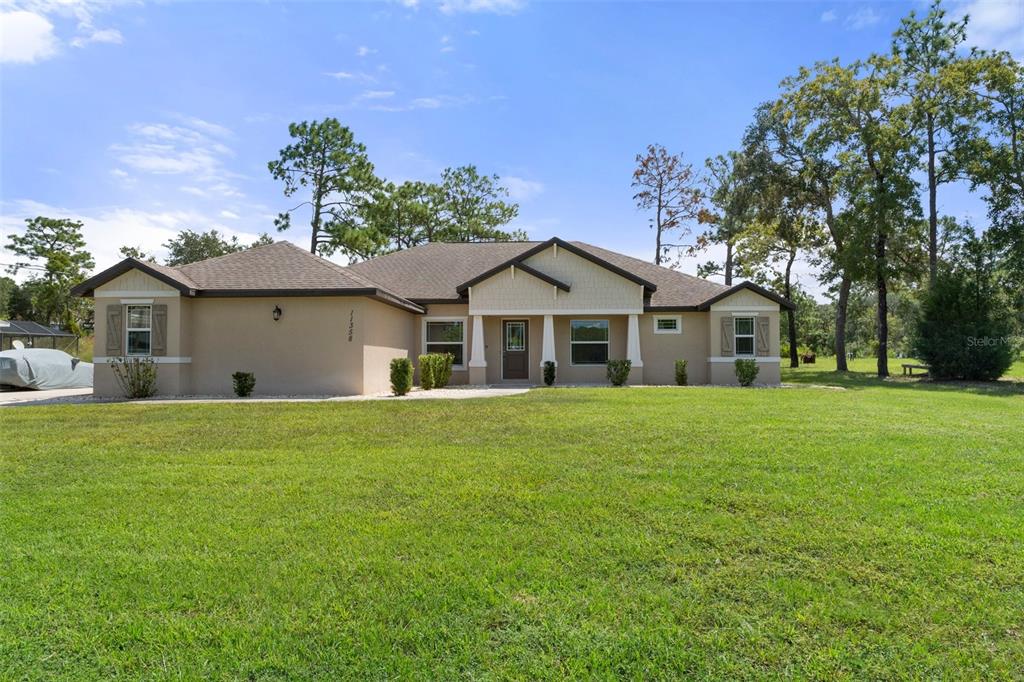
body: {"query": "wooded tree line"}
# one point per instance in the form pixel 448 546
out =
pixel 835 169
pixel 354 212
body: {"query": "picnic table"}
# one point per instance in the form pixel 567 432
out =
pixel 908 369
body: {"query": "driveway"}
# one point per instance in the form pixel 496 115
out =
pixel 31 397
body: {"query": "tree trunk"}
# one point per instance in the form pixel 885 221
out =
pixel 883 305
pixel 657 229
pixel 794 360
pixel 841 306
pixel 933 216
pixel 728 263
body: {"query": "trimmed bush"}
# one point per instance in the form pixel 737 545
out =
pixel 549 372
pixel 746 371
pixel 443 369
pixel 618 371
pixel 435 370
pixel 681 377
pixel 401 375
pixel 244 383
pixel 135 376
pixel 426 372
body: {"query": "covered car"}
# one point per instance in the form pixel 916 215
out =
pixel 43 369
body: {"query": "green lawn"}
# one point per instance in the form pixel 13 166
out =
pixel 868 532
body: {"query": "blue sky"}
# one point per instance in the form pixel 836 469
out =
pixel 144 119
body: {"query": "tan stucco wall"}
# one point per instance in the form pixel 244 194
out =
pixel 389 333
pixel 588 374
pixel 591 287
pixel 309 351
pixel 660 351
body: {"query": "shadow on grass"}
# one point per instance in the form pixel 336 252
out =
pixel 862 380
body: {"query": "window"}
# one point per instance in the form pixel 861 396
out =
pixel 744 327
pixel 140 329
pixel 668 325
pixel 589 342
pixel 446 336
pixel 515 336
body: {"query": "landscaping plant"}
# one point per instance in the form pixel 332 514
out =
pixel 681 377
pixel 618 371
pixel 401 375
pixel 135 376
pixel 244 382
pixel 426 372
pixel 435 370
pixel 746 371
pixel 549 372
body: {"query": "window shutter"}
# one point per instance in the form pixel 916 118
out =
pixel 762 336
pixel 727 336
pixel 115 330
pixel 158 343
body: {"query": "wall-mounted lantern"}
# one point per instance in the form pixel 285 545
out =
pixel 277 313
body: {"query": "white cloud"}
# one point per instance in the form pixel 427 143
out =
pixel 862 18
pixel 481 6
pixel 433 102
pixel 28 32
pixel 229 215
pixel 994 24
pixel 520 189
pixel 828 16
pixel 105 35
pixel 191 150
pixel 26 37
pixel 448 48
pixel 377 94
pixel 364 51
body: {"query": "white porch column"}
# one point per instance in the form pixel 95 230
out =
pixel 548 349
pixel 477 359
pixel 633 341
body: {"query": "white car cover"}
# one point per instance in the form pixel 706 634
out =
pixel 43 369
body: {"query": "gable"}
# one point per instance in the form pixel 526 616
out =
pixel 745 299
pixel 592 288
pixel 135 283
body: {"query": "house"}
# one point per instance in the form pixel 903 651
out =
pixel 305 325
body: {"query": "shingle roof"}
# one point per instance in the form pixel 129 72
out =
pixel 428 273
pixel 277 266
pixel 432 272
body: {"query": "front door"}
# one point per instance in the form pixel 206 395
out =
pixel 515 361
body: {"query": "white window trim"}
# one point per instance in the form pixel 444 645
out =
pixel 465 333
pixel 678 320
pixel 752 336
pixel 607 342
pixel 128 330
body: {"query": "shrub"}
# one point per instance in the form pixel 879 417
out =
pixel 401 375
pixel 681 372
pixel 965 326
pixel 618 371
pixel 244 383
pixel 135 376
pixel 746 371
pixel 435 370
pixel 549 372
pixel 443 369
pixel 426 372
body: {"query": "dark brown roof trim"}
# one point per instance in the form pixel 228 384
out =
pixel 572 248
pixel 86 288
pixel 461 300
pixel 376 294
pixel 670 308
pixel 771 295
pixel 505 266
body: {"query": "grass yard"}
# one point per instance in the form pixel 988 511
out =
pixel 873 531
